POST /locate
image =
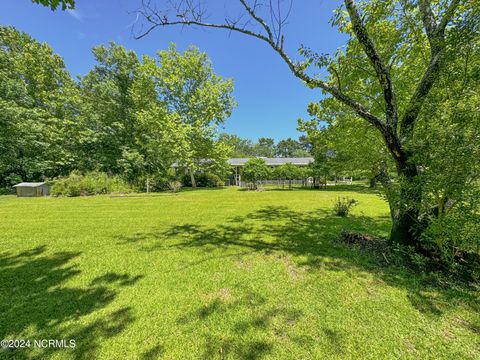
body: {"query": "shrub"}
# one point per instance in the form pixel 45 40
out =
pixel 93 183
pixel 174 185
pixel 343 205
pixel 254 171
pixel 452 239
pixel 288 172
pixel 207 180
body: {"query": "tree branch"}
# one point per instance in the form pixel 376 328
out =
pixel 387 130
pixel 436 36
pixel 262 22
pixel 416 101
pixel 381 70
pixel 428 18
pixel 448 16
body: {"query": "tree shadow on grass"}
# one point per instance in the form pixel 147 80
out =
pixel 37 303
pixel 236 340
pixel 310 236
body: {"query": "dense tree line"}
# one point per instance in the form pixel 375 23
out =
pixel 265 147
pixel 127 116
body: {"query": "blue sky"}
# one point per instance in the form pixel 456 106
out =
pixel 270 99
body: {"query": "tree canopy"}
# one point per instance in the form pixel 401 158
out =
pixel 127 116
pixel 264 147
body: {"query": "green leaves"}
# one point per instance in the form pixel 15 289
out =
pixel 53 4
pixel 254 170
pixel 36 100
pixel 190 87
pixel 126 116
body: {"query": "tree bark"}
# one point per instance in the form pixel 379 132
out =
pixel 192 178
pixel 405 229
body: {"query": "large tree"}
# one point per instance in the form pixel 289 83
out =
pixel 255 170
pixel 37 106
pixel 188 85
pixel 141 116
pixel 107 108
pixel 128 116
pixel 240 147
pixel 431 26
pixel 290 148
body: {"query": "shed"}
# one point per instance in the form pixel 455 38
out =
pixel 32 189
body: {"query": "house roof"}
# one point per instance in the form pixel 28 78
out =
pixel 29 184
pixel 269 161
pixel 273 161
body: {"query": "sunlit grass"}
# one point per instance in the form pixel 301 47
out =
pixel 218 274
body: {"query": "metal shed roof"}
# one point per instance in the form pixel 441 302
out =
pixel 273 161
pixel 29 184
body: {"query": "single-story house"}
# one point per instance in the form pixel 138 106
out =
pixel 238 163
pixel 32 189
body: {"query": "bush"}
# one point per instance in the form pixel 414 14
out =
pixel 207 180
pixel 452 239
pixel 343 205
pixel 93 183
pixel 464 267
pixel 174 185
pixel 254 171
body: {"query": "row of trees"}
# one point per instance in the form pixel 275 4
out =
pixel 128 116
pixel 266 147
pixel 255 170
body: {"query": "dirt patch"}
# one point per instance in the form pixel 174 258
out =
pixel 410 347
pixel 467 325
pixel 295 272
pixel 244 264
pixel 448 334
pixel 363 240
pixel 223 295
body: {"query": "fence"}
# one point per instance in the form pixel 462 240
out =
pixel 278 182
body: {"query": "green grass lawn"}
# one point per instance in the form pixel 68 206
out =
pixel 218 274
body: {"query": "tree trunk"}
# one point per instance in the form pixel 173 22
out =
pixel 403 228
pixel 405 212
pixel 192 178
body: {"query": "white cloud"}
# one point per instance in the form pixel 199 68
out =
pixel 75 14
